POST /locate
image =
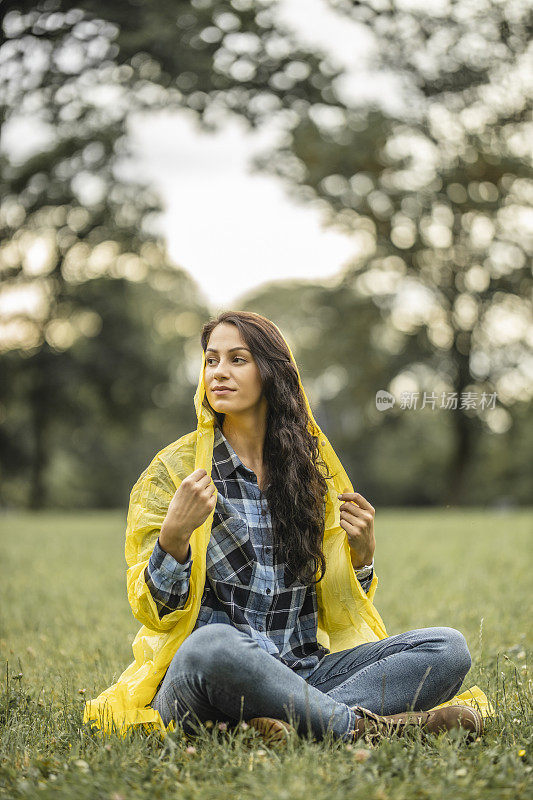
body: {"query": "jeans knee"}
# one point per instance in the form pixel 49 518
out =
pixel 456 652
pixel 207 647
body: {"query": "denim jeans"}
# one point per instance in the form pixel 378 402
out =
pixel 220 673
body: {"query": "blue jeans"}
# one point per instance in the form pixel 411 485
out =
pixel 220 673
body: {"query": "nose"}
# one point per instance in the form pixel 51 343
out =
pixel 219 373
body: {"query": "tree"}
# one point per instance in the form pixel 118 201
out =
pixel 77 247
pixel 437 200
pixel 68 218
pixel 364 165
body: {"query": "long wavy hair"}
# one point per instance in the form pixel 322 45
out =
pixel 296 484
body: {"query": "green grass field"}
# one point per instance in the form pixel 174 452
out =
pixel 67 630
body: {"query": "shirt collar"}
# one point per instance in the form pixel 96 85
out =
pixel 225 459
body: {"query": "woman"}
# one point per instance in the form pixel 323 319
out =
pixel 251 567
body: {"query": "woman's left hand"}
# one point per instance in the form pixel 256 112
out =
pixel 358 522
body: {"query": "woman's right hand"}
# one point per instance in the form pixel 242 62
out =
pixel 193 501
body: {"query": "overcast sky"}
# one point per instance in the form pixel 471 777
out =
pixel 233 230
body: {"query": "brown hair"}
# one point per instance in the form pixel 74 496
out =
pixel 296 486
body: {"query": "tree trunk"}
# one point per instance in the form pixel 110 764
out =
pixel 461 459
pixel 39 423
pixel 466 429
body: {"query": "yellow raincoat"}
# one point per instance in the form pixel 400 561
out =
pixel 347 616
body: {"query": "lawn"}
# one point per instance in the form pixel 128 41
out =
pixel 66 633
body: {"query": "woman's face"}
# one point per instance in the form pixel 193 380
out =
pixel 229 362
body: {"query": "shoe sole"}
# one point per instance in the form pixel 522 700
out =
pixel 271 730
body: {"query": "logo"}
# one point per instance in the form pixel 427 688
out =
pixel 384 400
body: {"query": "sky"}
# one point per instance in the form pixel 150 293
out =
pixel 233 230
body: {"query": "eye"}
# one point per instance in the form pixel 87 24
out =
pixel 238 358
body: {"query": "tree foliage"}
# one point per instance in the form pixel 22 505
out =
pixel 95 360
pixel 437 200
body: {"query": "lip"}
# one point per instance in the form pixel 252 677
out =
pixel 223 391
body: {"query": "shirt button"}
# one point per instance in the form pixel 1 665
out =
pixel 268 591
pixel 259 627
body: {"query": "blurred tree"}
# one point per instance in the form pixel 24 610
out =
pixel 400 457
pixel 69 218
pixel 346 352
pixel 211 56
pixel 437 201
pixel 392 181
pixel 94 319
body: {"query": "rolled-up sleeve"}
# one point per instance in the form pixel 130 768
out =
pixel 365 575
pixel 167 579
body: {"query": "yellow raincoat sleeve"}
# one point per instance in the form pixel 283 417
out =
pixel 148 506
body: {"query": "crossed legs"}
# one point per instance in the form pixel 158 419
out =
pixel 222 674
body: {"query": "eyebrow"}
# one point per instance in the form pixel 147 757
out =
pixel 213 350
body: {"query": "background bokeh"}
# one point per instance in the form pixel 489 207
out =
pixel 427 179
pixel 361 174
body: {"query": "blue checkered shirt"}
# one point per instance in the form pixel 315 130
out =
pixel 245 584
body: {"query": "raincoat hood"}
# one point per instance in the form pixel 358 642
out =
pixel 347 616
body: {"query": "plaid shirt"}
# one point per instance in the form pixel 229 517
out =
pixel 245 584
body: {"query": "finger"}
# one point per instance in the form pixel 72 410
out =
pixel 347 495
pixel 354 534
pixel 203 481
pixel 356 520
pixel 195 477
pixel 210 489
pixel 355 512
pixel 359 499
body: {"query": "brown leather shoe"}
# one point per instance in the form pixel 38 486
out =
pixel 272 730
pixel 377 727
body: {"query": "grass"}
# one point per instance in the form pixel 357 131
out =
pixel 67 631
